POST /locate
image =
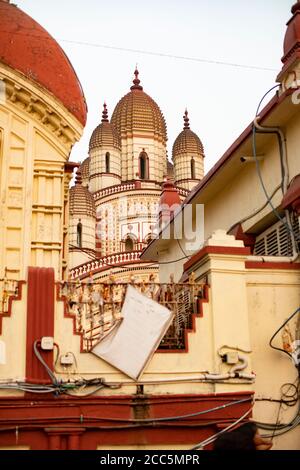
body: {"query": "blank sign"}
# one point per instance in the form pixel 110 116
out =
pixel 130 346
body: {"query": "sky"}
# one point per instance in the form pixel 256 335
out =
pixel 221 99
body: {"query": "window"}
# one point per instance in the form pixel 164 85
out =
pixel 193 169
pixel 79 234
pixel 144 166
pixel 276 240
pixel 128 244
pixel 107 162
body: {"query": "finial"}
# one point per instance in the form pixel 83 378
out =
pixel 186 120
pixel 136 82
pixel 104 113
pixel 78 178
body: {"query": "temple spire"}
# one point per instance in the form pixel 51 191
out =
pixel 136 82
pixel 104 113
pixel 186 120
pixel 78 178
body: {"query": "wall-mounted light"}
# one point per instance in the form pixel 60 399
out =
pixel 252 159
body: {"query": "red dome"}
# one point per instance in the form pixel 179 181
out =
pixel 27 47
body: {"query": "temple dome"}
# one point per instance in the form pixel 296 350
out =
pixel 187 141
pixel 29 49
pixel 138 112
pixel 85 170
pixel 81 200
pixel 105 135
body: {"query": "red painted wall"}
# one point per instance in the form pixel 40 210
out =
pixel 85 423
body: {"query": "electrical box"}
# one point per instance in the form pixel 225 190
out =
pixel 67 360
pixel 232 357
pixel 47 343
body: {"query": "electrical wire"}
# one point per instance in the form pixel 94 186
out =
pixel 211 439
pixel 257 211
pixel 39 357
pixel 185 255
pixel 170 56
pixel 269 198
pixel 280 328
pixel 147 420
pixel 282 428
pixel 109 427
pixel 152 53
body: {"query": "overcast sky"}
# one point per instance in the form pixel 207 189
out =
pixel 221 99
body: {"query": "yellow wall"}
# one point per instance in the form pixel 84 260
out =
pixel 36 134
pixel 248 305
pixel 272 298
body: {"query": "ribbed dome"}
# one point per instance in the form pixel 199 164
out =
pixel 105 135
pixel 187 141
pixel 28 48
pixel 137 111
pixel 170 170
pixel 81 200
pixel 85 169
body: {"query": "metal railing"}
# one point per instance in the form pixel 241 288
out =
pixel 96 307
pixel 8 288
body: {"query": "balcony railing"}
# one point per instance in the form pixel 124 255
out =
pixel 96 307
pixel 109 261
pixel 140 184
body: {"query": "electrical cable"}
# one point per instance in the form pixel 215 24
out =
pixel 276 428
pixel 257 211
pixel 154 420
pixel 269 198
pixel 280 328
pixel 49 371
pixel 211 439
pixel 109 427
pixel 185 255
pixel 152 53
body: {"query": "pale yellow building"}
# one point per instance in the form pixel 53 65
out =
pixel 249 255
pixel 55 392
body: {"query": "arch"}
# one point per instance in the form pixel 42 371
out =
pixel 79 234
pixel 148 238
pixel 144 166
pixel 107 162
pixel 129 241
pixel 129 245
pixel 193 172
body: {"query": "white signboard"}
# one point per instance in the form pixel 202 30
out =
pixel 130 346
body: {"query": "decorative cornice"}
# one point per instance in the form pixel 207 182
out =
pixel 23 95
pixel 103 173
pixel 216 250
pixel 272 265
